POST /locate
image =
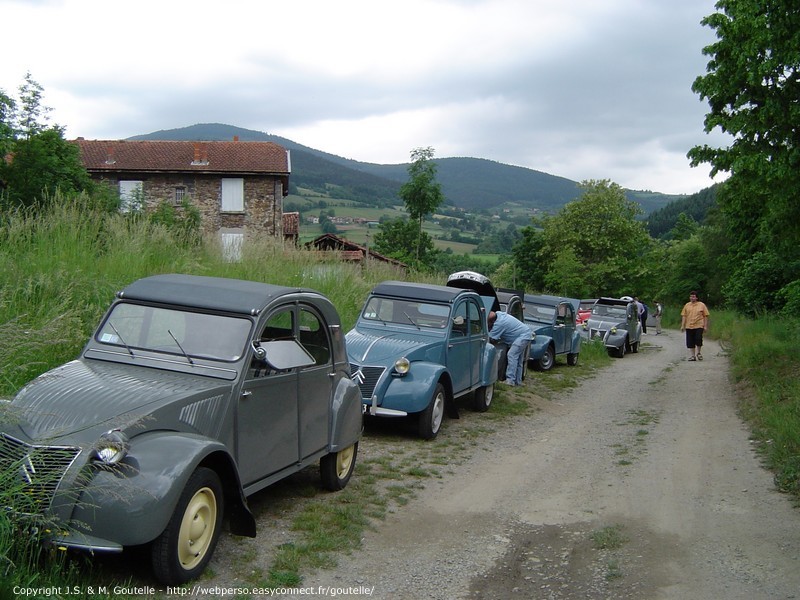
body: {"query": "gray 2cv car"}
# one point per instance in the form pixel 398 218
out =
pixel 615 321
pixel 193 393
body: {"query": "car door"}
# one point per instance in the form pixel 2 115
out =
pixel 315 381
pixel 569 328
pixel 268 411
pixel 465 350
pixel 564 327
pixel 458 348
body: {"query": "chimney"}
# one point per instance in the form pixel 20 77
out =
pixel 110 160
pixel 236 138
pixel 200 154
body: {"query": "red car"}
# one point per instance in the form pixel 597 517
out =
pixel 584 310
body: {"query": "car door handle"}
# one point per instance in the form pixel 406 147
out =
pixel 247 393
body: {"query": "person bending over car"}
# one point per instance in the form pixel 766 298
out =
pixel 505 328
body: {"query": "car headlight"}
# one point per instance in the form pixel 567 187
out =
pixel 402 365
pixel 112 447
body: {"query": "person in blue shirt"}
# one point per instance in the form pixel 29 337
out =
pixel 510 330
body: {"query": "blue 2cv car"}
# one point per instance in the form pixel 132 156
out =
pixel 417 347
pixel 552 321
pixel 193 393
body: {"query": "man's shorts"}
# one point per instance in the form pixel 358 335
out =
pixel 694 337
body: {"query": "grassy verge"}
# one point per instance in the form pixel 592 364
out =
pixel 764 361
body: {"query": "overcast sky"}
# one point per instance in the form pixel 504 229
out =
pixel 583 89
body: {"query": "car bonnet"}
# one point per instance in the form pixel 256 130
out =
pixel 81 395
pixel 380 348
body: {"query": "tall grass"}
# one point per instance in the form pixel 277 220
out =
pixel 60 270
pixel 764 360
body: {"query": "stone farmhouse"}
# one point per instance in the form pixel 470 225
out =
pixel 238 187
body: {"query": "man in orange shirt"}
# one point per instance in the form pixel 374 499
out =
pixel 694 321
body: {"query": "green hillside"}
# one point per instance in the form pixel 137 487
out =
pixel 468 183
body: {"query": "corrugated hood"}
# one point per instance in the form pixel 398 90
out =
pixel 363 349
pixel 84 395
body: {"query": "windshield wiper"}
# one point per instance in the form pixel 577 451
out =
pixel 191 362
pixel 413 322
pixel 121 339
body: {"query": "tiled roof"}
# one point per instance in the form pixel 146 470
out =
pixel 175 157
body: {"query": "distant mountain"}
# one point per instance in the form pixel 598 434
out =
pixel 466 182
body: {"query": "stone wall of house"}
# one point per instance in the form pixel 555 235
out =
pixel 263 200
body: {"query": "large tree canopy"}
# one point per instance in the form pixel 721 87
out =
pixel 596 237
pixel 752 87
pixel 35 159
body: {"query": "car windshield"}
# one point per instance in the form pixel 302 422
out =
pixel 606 310
pixel 407 312
pixel 175 331
pixel 538 312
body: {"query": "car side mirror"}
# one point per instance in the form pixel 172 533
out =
pixel 283 354
pixel 259 352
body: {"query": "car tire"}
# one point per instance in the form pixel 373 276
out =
pixel 430 420
pixel 186 545
pixel 482 398
pixel 572 359
pixel 547 360
pixel 622 349
pixel 336 468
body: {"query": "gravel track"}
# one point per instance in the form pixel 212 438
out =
pixel 649 451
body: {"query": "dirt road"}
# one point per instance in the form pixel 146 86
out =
pixel 641 483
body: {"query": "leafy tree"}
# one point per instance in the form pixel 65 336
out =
pixel 421 194
pixel 499 241
pixel 400 239
pixel 525 254
pixel 685 227
pixel 42 164
pixel 683 267
pixel 566 276
pixel 329 226
pixel 752 85
pixel 32 115
pixel 7 108
pixel 602 233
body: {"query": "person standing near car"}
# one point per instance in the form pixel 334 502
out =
pixel 641 307
pixel 657 315
pixel 694 321
pixel 510 330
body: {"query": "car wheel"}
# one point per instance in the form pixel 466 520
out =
pixel 483 398
pixel 572 359
pixel 336 468
pixel 184 548
pixel 430 419
pixel 546 362
pixel 623 347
